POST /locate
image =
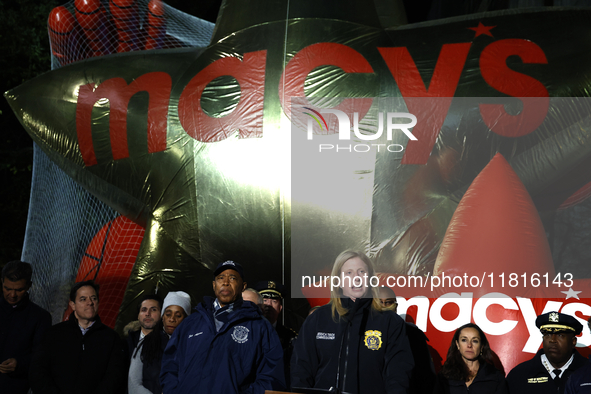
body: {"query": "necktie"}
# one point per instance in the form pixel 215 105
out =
pixel 557 375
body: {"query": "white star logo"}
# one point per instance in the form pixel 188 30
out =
pixel 571 293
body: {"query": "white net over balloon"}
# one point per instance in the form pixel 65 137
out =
pixel 71 235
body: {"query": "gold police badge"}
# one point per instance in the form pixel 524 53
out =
pixel 373 339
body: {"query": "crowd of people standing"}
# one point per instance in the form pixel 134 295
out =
pixel 234 342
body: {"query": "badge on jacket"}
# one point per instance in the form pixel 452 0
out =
pixel 373 339
pixel 240 334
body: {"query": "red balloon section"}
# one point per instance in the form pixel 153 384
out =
pixel 108 260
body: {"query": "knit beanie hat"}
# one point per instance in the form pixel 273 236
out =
pixel 179 298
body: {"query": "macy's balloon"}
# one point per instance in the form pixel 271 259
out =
pixel 494 268
pixel 196 145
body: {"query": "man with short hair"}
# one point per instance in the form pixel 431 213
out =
pixel 580 380
pixel 22 326
pixel 225 346
pixel 551 367
pixel 80 354
pixel 144 375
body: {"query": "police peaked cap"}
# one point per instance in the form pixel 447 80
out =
pixel 270 289
pixel 553 322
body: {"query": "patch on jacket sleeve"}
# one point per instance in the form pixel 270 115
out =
pixel 240 334
pixel 325 335
pixel 543 379
pixel 373 339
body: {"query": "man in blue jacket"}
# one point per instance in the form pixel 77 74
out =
pixel 226 346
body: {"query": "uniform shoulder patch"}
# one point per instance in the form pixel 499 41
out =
pixel 542 379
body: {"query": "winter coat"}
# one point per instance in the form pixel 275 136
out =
pixel 532 377
pixel 364 352
pixel 488 380
pixel 150 371
pixel 69 362
pixel 245 356
pixel 21 330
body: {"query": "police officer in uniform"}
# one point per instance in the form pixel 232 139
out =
pixel 272 293
pixel 551 367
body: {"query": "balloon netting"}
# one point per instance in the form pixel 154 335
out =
pixel 63 219
pixel 72 236
pixel 83 29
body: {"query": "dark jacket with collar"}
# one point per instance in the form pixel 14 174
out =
pixel 21 330
pixel 367 350
pixel 69 362
pixel 244 356
pixel 488 380
pixel 150 371
pixel 532 377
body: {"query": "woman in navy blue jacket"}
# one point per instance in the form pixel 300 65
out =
pixel 351 345
pixel 469 365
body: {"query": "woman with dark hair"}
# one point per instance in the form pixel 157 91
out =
pixel 469 366
pixel 351 345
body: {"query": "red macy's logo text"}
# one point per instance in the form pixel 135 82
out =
pixel 247 117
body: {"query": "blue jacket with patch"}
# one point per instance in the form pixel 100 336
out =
pixel 364 352
pixel 245 356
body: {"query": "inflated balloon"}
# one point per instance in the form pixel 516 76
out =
pixel 494 269
pixel 194 143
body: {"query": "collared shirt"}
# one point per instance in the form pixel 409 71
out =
pixel 85 330
pixel 550 368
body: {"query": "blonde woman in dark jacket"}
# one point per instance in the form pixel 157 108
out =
pixel 351 345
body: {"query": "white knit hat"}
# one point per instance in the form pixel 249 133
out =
pixel 179 298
